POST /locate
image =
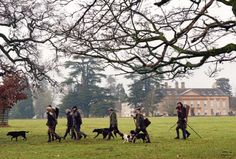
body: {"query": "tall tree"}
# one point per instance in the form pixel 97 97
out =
pixel 85 75
pixel 120 93
pixel 143 92
pixel 11 91
pixel 111 84
pixel 223 84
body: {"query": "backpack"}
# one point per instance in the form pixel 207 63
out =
pixel 147 122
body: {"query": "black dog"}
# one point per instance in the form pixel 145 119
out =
pixel 16 134
pixel 135 136
pixel 103 131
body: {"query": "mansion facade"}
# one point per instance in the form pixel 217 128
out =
pixel 202 101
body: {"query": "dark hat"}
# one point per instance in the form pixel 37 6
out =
pixel 74 107
pixel 137 108
pixel 110 109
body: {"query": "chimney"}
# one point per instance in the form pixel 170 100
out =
pixel 176 85
pixel 182 85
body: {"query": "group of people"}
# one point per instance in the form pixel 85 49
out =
pixel 74 122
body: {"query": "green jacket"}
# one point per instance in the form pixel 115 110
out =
pixel 113 119
pixel 139 121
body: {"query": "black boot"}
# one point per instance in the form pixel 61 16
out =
pixel 177 133
pixel 49 137
pixel 187 133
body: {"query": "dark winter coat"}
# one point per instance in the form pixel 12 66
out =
pixel 139 121
pixel 182 116
pixel 113 119
pixel 76 117
pixel 69 120
pixel 51 120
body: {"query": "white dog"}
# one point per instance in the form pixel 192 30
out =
pixel 126 138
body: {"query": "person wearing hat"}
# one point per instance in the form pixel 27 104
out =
pixel 113 124
pixel 51 122
pixel 140 124
pixel 182 121
pixel 69 125
pixel 77 121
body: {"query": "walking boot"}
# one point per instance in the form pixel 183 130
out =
pixel 49 137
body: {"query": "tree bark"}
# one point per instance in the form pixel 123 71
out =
pixel 4 116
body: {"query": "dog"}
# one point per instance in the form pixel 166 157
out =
pixel 135 136
pixel 16 134
pixel 103 131
pixel 126 138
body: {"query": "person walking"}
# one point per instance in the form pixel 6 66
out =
pixel 113 124
pixel 182 121
pixel 140 124
pixel 51 122
pixel 77 122
pixel 69 125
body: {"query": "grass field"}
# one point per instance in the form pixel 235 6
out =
pixel 218 140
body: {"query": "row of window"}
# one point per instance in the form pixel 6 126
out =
pixel 212 104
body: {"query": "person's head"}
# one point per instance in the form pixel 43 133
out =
pixel 68 111
pixel 74 108
pixel 49 109
pixel 138 110
pixel 180 104
pixel 110 110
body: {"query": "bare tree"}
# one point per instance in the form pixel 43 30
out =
pixel 25 28
pixel 162 38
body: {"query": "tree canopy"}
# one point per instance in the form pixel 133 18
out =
pixel 167 37
pixel 163 37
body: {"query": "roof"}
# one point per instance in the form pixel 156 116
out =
pixel 198 91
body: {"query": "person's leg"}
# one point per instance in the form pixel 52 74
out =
pixel 147 135
pixel 83 134
pixel 183 131
pixel 49 135
pixel 116 130
pixel 177 132
pixel 78 135
pixel 187 133
pixel 54 134
pixel 67 132
pixel 110 132
pixel 73 133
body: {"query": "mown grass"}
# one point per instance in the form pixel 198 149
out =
pixel 218 140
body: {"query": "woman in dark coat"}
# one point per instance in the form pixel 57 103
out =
pixel 51 123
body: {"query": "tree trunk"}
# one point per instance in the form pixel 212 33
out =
pixel 4 116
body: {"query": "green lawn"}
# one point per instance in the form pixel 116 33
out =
pixel 218 140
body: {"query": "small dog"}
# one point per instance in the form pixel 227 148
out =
pixel 103 131
pixel 16 134
pixel 135 136
pixel 126 138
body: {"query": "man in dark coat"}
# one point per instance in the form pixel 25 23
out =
pixel 51 123
pixel 77 122
pixel 69 125
pixel 140 124
pixel 182 121
pixel 113 124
